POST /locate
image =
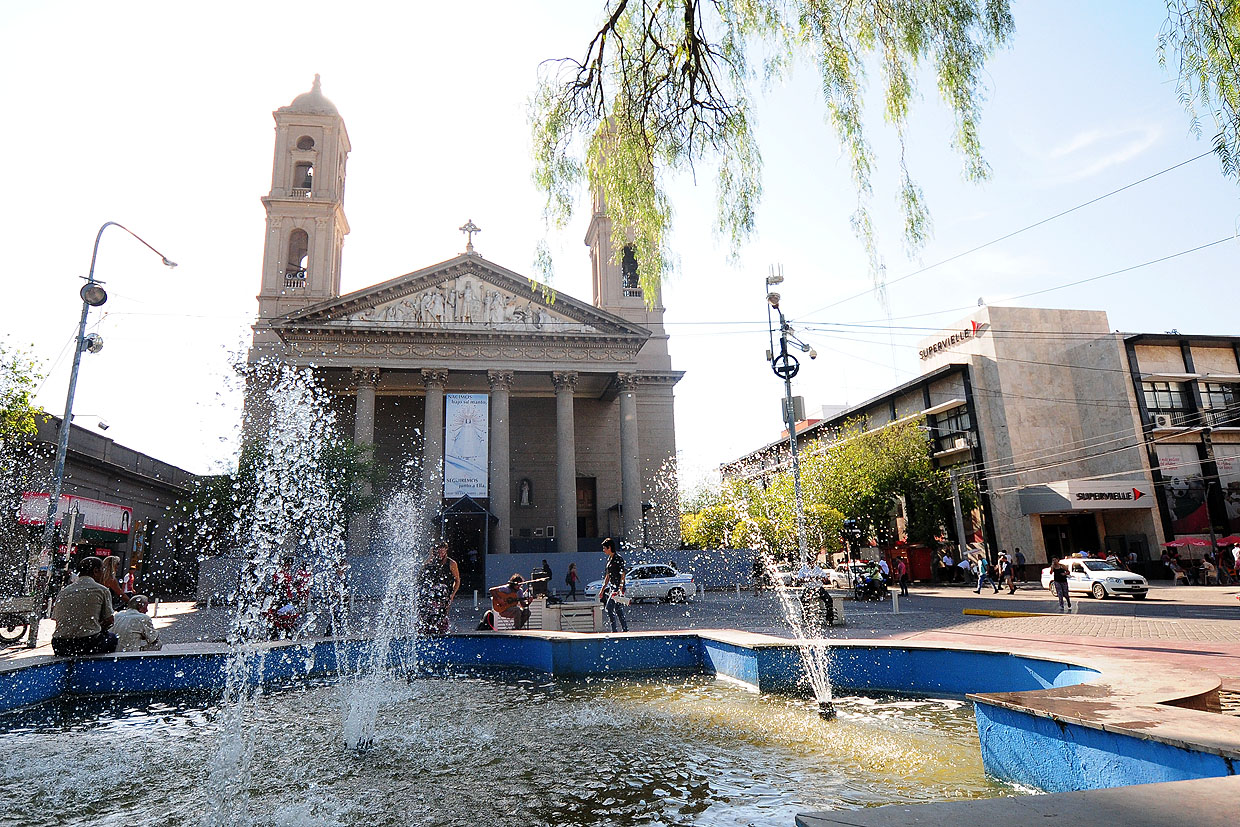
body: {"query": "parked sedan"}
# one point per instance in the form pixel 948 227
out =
pixel 1099 578
pixel 652 581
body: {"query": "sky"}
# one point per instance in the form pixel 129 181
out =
pixel 158 116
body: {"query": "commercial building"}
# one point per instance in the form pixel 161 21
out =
pixel 545 421
pixel 1077 437
pixel 123 496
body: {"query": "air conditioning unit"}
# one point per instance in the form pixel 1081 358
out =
pixel 1163 421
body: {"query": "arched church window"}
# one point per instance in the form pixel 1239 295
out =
pixel 303 179
pixel 628 272
pixel 305 142
pixel 298 259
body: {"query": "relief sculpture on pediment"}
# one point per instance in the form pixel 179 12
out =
pixel 469 303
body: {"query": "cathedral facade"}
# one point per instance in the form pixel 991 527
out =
pixel 543 422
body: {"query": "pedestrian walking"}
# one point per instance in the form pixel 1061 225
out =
pixel 1059 577
pixel 1007 573
pixel 902 576
pixel 570 580
pixel 984 575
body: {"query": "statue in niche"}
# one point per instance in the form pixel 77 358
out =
pixel 525 493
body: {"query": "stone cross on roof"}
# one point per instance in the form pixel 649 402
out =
pixel 469 229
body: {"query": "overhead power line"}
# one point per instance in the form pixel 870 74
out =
pixel 1014 233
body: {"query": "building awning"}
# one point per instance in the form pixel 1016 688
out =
pixel 1085 495
pixel 467 506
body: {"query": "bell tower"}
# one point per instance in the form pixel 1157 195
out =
pixel 616 286
pixel 306 225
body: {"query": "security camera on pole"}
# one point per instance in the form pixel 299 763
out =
pixel 786 366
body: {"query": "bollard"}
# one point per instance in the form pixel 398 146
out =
pixel 895 602
pixel 475 600
pixel 156 612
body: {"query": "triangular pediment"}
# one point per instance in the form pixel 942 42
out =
pixel 464 295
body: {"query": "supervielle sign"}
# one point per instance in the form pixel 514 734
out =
pixel 951 340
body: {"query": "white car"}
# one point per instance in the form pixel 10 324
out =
pixel 839 575
pixel 1099 578
pixel 652 581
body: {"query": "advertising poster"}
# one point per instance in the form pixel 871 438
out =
pixel 1227 458
pixel 465 445
pixel 1184 489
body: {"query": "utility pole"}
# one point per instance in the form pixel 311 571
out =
pixel 786 366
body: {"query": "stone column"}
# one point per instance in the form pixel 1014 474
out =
pixel 565 462
pixel 365 380
pixel 500 485
pixel 630 462
pixel 432 436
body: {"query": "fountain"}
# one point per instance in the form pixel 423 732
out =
pixel 538 728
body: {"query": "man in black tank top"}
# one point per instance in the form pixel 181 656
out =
pixel 439 581
pixel 613 587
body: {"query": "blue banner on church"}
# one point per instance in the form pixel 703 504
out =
pixel 466 425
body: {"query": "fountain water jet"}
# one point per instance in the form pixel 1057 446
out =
pixel 293 509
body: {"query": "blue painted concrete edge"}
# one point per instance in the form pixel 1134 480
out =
pixel 1058 756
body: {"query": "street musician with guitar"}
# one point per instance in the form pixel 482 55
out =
pixel 512 600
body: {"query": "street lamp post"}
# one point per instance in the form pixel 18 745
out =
pixel 786 366
pixel 93 295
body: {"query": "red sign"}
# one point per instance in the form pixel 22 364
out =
pixel 98 515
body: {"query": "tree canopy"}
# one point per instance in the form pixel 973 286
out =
pixel 665 86
pixel 19 379
pixel 853 474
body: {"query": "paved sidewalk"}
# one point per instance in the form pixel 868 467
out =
pixel 1189 625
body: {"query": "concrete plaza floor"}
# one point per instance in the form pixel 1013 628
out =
pixel 1190 625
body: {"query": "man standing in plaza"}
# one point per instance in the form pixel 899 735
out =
pixel 83 614
pixel 613 586
pixel 1020 564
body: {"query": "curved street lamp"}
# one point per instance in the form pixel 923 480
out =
pixel 93 295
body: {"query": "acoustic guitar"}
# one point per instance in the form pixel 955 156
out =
pixel 502 601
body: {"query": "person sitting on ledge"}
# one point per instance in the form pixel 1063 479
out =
pixel 134 630
pixel 511 601
pixel 83 614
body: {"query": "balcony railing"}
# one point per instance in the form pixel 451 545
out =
pixel 295 280
pixel 632 292
pixel 299 192
pixel 1228 417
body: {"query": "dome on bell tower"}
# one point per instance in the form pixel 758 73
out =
pixel 312 102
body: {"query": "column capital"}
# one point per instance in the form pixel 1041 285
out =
pixel 434 377
pixel 565 380
pixel 627 381
pixel 365 377
pixel 500 379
